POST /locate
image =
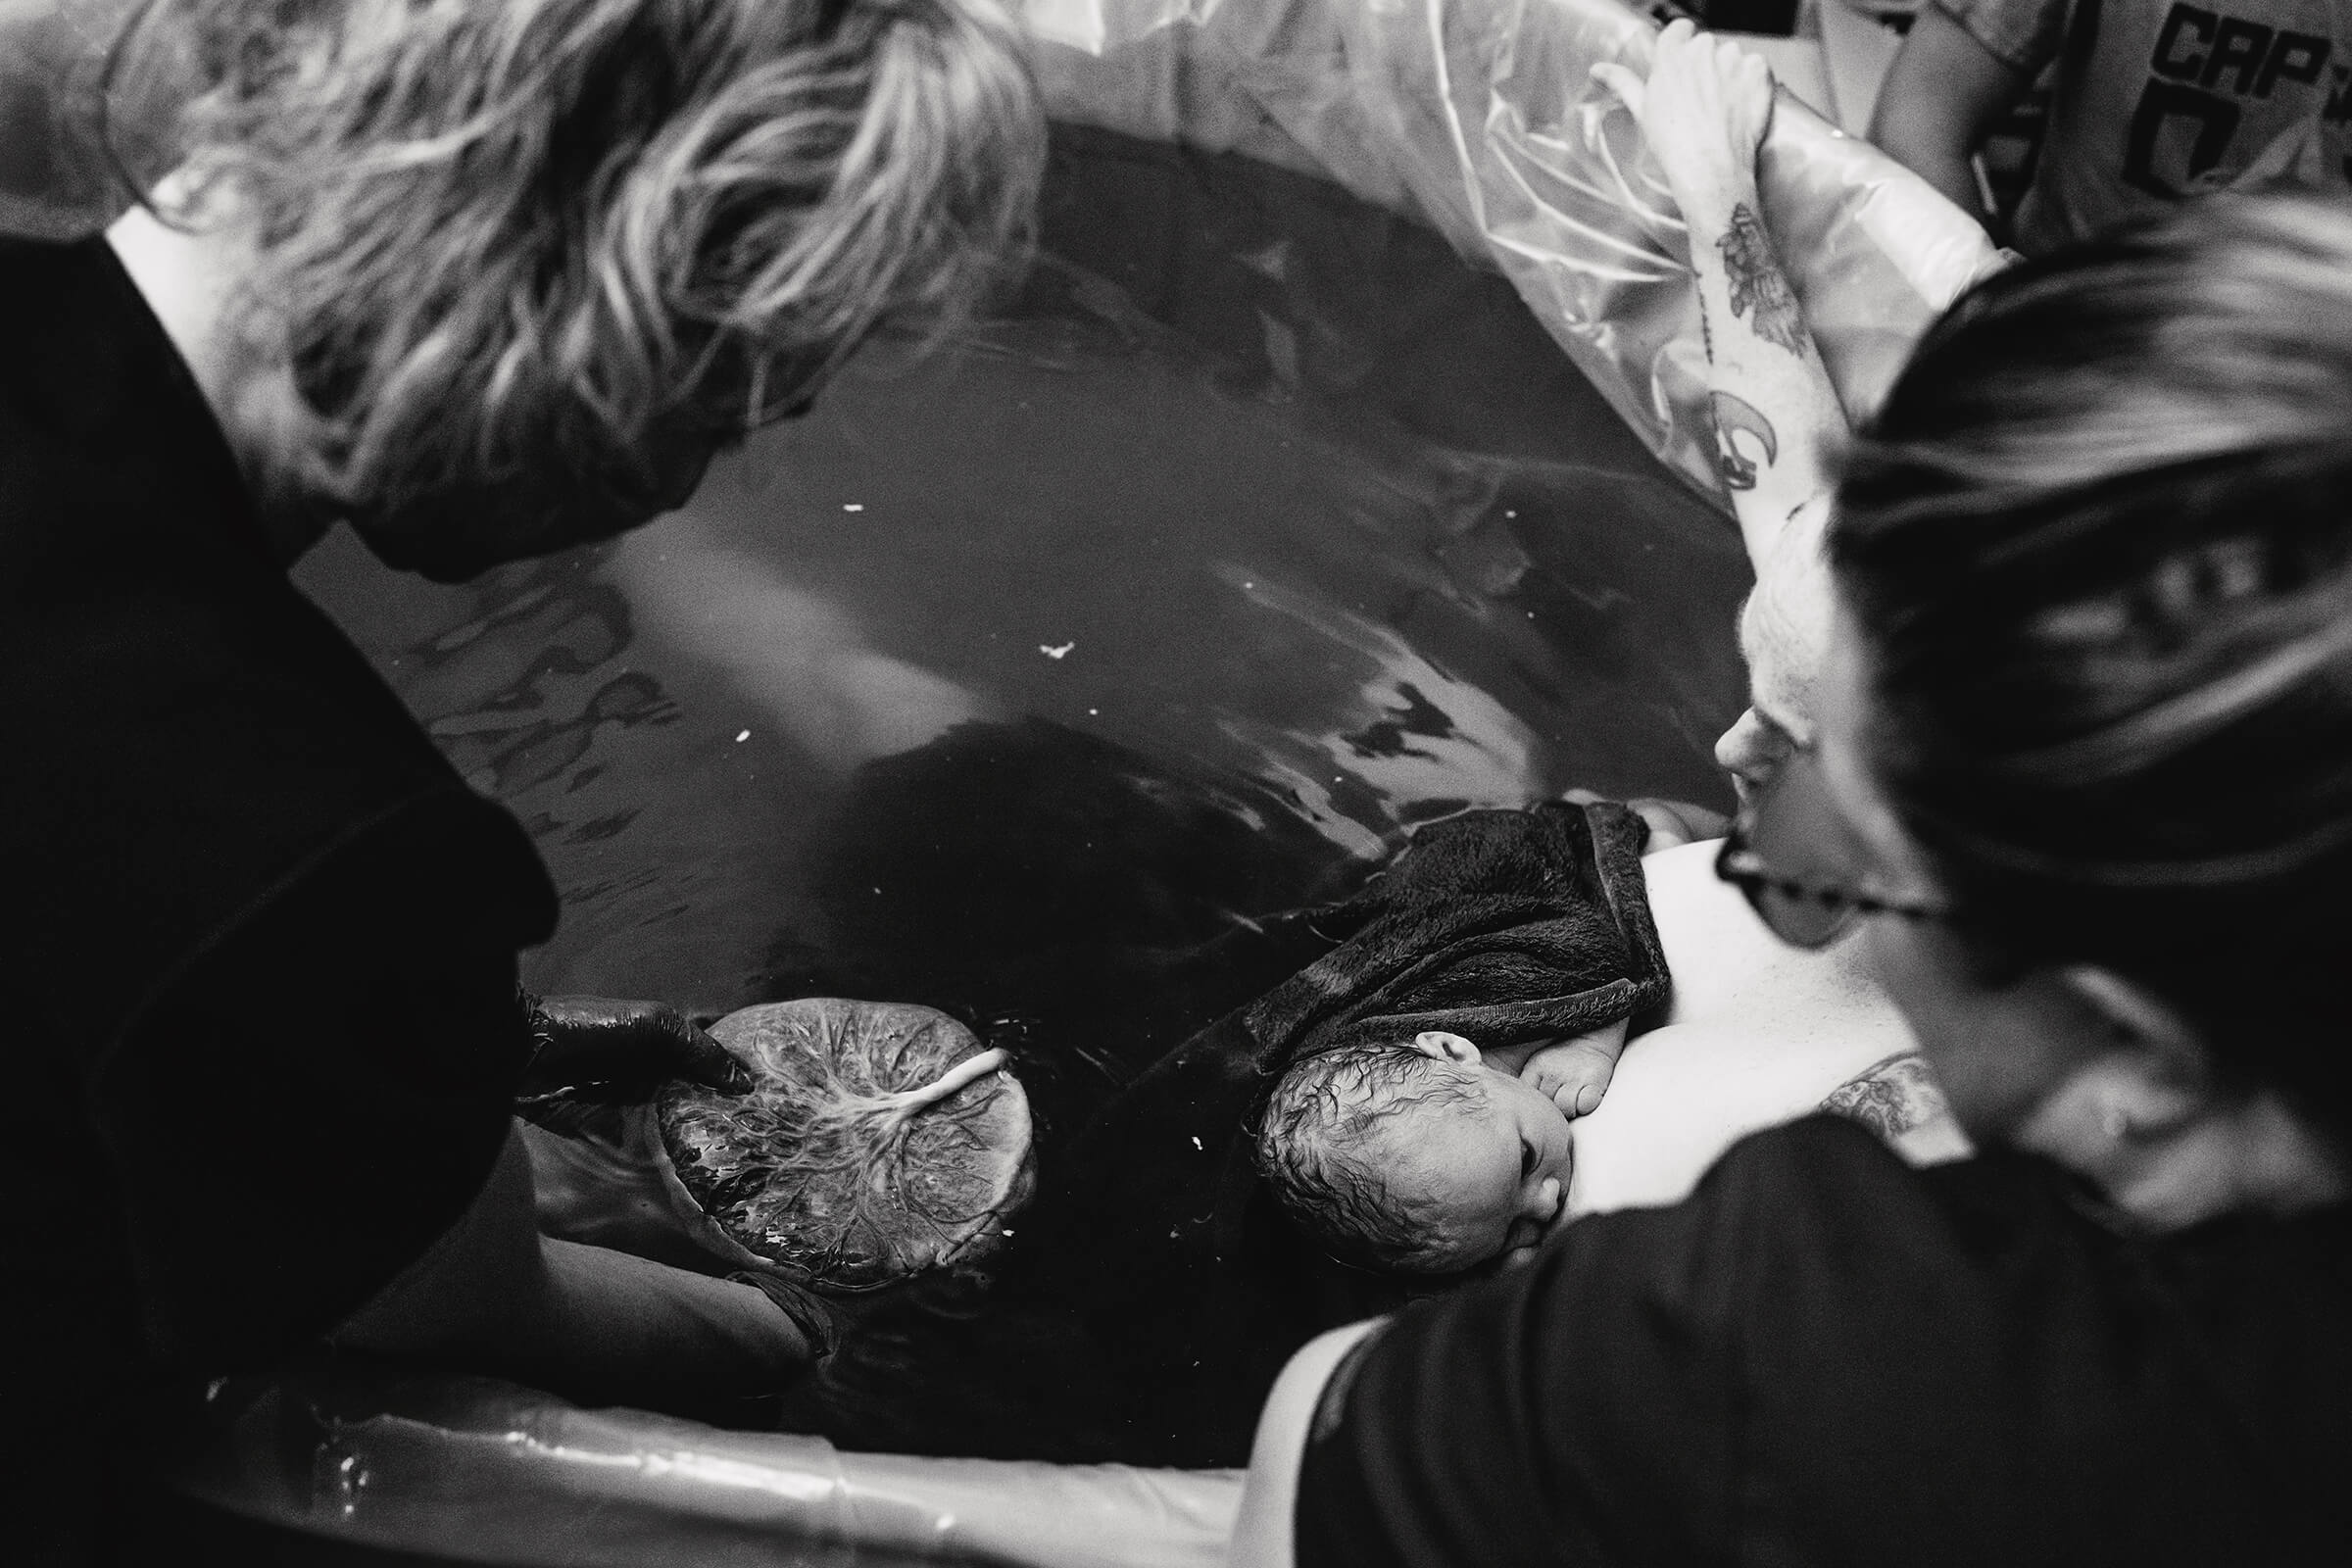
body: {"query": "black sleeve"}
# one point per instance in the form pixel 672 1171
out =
pixel 322 1097
pixel 1812 1358
pixel 1583 1410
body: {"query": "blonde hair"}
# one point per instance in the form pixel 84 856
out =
pixel 579 243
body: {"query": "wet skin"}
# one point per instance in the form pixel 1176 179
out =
pixel 1492 1174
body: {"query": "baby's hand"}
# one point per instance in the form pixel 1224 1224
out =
pixel 1575 1073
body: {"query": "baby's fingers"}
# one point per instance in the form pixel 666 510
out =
pixel 1577 1093
pixel 1576 1073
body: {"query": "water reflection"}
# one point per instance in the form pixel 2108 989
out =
pixel 795 660
pixel 1257 530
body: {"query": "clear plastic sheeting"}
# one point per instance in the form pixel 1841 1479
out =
pixel 477 1471
pixel 1481 117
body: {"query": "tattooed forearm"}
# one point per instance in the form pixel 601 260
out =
pixel 1891 1098
pixel 1758 289
pixel 1734 415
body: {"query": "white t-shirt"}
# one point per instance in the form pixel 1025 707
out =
pixel 2159 99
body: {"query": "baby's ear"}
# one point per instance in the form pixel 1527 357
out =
pixel 1444 1047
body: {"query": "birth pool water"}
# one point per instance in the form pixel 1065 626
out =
pixel 1257 529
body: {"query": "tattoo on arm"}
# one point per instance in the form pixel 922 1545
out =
pixel 1737 415
pixel 1758 289
pixel 1891 1098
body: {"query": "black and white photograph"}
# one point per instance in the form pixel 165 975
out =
pixel 1176 783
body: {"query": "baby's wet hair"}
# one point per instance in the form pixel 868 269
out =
pixel 1313 1147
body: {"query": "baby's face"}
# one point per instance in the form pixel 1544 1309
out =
pixel 1494 1174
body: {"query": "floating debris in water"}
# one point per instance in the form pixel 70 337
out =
pixel 742 735
pixel 853 506
pixel 1055 651
pixel 1197 1142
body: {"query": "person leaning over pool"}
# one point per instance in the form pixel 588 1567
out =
pixel 2080 793
pixel 485 279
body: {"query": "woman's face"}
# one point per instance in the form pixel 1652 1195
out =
pixel 1998 1050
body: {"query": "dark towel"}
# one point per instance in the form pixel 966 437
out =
pixel 1155 1290
pixel 1501 926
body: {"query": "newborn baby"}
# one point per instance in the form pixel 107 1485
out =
pixel 1429 1156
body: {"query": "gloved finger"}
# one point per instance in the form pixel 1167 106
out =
pixel 672 1048
pixel 1675 40
pixel 588 1040
pixel 1621 83
pixel 1755 76
pixel 704 1061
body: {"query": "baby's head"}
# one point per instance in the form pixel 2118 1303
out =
pixel 1414 1157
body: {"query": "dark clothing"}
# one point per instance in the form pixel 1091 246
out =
pixel 261 957
pixel 1157 1286
pixel 1824 1356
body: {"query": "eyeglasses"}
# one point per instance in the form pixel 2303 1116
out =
pixel 1795 858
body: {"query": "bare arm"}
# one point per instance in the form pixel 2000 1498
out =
pixel 1704 112
pixel 1943 96
pixel 601 1327
pixel 1261 1533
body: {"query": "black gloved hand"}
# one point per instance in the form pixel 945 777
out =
pixel 601 1049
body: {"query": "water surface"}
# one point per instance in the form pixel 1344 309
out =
pixel 1257 529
